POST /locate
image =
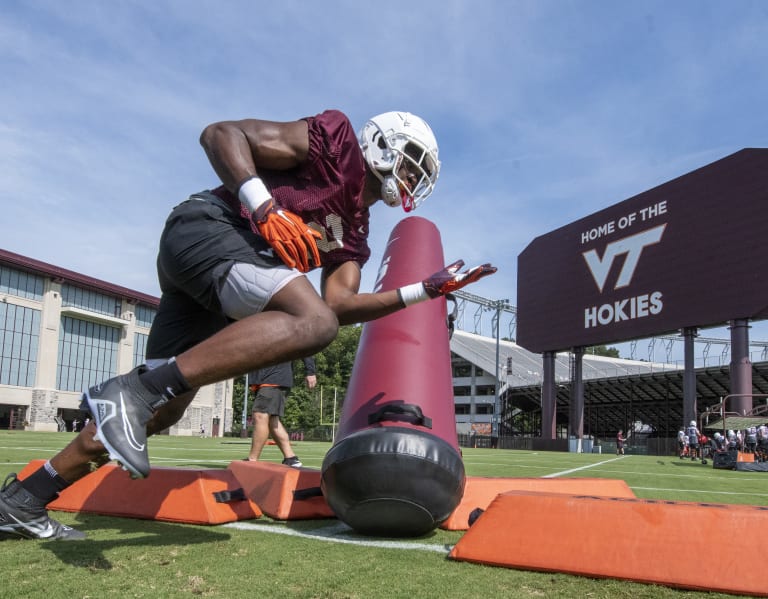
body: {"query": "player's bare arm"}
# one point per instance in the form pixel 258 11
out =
pixel 340 286
pixel 236 149
pixel 340 290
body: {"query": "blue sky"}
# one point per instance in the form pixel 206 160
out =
pixel 545 111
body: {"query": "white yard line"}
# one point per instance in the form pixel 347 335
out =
pixel 707 491
pixel 337 533
pixel 564 472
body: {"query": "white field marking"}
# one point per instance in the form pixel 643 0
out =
pixel 700 491
pixel 337 533
pixel 154 458
pixel 521 466
pixel 742 476
pixel 563 472
pixel 28 448
pixel 190 460
pixel 154 448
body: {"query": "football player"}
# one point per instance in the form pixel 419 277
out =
pixel 294 196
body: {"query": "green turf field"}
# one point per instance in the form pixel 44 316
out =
pixel 322 558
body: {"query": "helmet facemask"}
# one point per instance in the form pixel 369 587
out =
pixel 394 140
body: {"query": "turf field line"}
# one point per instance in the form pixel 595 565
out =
pixel 335 534
pixel 707 491
pixel 564 472
pixel 17 448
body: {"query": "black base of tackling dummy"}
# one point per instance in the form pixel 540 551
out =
pixel 393 481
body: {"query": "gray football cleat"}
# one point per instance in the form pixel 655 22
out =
pixel 24 515
pixel 121 408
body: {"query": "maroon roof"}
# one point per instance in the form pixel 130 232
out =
pixel 49 270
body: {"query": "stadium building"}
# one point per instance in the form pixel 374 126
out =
pixel 644 398
pixel 61 331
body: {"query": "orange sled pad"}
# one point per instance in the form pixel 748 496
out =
pixel 282 492
pixel 624 538
pixel 170 494
pixel 480 491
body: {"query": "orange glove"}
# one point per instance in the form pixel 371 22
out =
pixel 448 280
pixel 293 241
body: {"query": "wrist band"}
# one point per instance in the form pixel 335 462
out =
pixel 253 193
pixel 413 293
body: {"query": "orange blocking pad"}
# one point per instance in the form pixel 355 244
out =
pixel 480 491
pixel 272 486
pixel 169 494
pixel 632 539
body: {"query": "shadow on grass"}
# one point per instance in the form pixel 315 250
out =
pixel 91 552
pixel 690 464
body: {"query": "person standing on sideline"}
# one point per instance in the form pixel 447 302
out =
pixel 294 196
pixel 693 440
pixel 620 440
pixel 272 385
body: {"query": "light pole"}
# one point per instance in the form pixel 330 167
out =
pixel 498 306
pixel 244 425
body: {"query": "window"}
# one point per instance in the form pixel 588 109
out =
pixel 461 390
pixel 87 353
pixel 145 315
pixel 19 338
pixel 139 349
pixel 21 284
pixel 92 301
pixel 462 370
pixel 462 409
pixel 484 409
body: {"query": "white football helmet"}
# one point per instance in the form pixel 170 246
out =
pixel 391 138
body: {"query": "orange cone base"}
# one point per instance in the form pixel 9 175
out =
pixel 480 491
pixel 168 494
pixel 624 538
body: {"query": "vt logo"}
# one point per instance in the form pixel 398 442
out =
pixel 632 246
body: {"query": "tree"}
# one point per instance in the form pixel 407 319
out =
pixel 602 350
pixel 333 367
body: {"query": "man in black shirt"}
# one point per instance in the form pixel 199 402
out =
pixel 272 385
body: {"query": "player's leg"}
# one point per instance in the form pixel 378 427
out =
pixel 23 502
pixel 260 434
pixel 211 260
pixel 280 435
pixel 295 323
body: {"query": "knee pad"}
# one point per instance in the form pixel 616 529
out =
pixel 247 288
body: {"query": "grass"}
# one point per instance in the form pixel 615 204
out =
pixel 139 558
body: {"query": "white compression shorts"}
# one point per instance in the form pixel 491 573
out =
pixel 248 288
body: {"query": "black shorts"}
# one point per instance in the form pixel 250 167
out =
pixel 270 400
pixel 201 241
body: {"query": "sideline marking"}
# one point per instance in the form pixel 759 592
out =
pixel 337 534
pixel 582 467
pixel 702 491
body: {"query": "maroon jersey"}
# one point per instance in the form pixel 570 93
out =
pixel 325 190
